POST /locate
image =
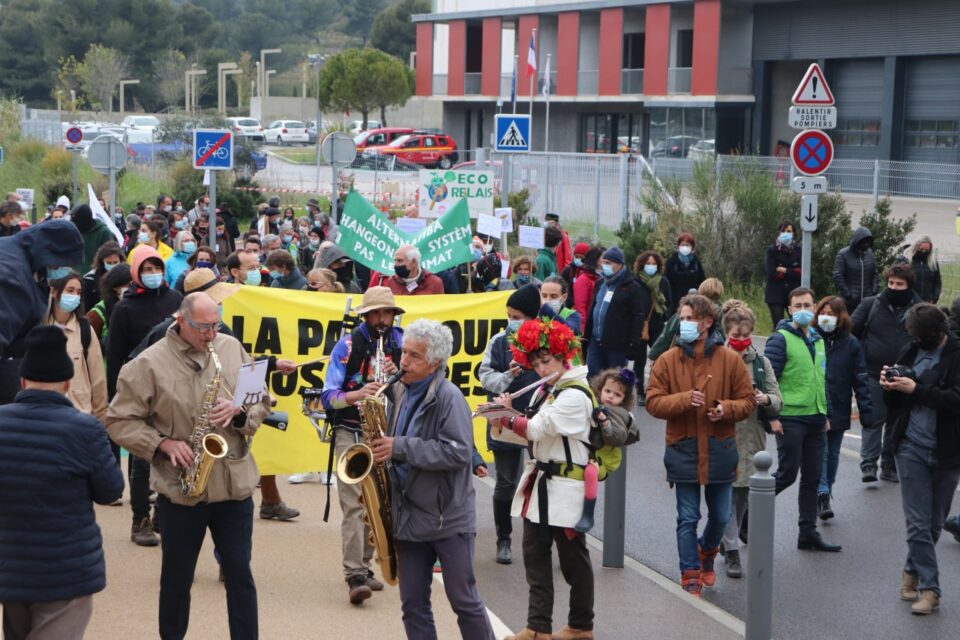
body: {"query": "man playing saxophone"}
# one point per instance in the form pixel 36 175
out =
pixel 430 452
pixel 359 364
pixel 163 396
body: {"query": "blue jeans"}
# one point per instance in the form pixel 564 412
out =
pixel 718 497
pixel 600 358
pixel 831 461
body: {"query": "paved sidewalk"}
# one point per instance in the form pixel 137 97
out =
pixel 302 593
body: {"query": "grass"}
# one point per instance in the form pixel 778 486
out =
pixel 950 275
pixel 584 231
pixel 298 155
pixel 752 294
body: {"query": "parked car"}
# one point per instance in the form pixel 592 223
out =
pixel 674 147
pixel 141 122
pixel 248 128
pixel 379 137
pixel 429 150
pixel 702 150
pixel 286 132
pixel 357 126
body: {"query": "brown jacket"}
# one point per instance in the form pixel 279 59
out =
pixel 673 379
pixel 88 386
pixel 159 394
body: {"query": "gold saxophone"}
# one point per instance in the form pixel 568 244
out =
pixel 208 447
pixel 357 465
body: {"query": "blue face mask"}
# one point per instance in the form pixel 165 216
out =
pixel 109 265
pixel 287 239
pixel 606 270
pixel 253 278
pixel 152 280
pixel 276 275
pixel 189 248
pixel 785 238
pixel 477 253
pixel 514 325
pixel 577 262
pixel 650 269
pixel 143 238
pixel 204 264
pixel 69 302
pixel 55 273
pixel 524 279
pixel 180 224
pixel 689 331
pixel 803 317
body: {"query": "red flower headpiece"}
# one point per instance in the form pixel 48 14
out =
pixel 542 333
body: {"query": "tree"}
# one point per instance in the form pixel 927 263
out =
pixel 68 80
pixel 168 70
pixel 358 16
pixel 362 80
pixel 394 84
pixel 100 73
pixel 392 31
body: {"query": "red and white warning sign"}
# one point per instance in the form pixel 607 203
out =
pixel 813 88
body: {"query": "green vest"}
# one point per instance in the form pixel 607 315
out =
pixel 803 380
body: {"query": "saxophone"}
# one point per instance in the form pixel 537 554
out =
pixel 208 447
pixel 357 465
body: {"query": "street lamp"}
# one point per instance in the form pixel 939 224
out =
pixel 230 72
pixel 261 77
pixel 189 78
pixel 123 84
pixel 222 67
pixel 317 60
pixel 266 79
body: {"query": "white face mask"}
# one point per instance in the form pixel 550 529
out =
pixel 685 249
pixel 556 305
pixel 827 323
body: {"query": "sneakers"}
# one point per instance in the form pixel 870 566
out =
pixel 928 603
pixel 908 587
pixel 504 555
pixel 569 633
pixel 279 511
pixel 707 574
pixel 869 474
pixel 142 534
pixel 691 582
pixel 300 478
pixel 372 582
pixel 529 634
pixel 889 475
pixel 952 526
pixel 732 560
pixel 358 589
pixel 117 503
pixel 823 506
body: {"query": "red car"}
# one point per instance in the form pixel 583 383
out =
pixel 379 137
pixel 425 149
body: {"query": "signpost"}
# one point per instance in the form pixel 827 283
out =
pixel 340 151
pixel 811 153
pixel 212 152
pixel 511 135
pixel 107 155
pixel 74 137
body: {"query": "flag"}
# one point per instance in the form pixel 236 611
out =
pixel 532 57
pixel 546 79
pixel 101 215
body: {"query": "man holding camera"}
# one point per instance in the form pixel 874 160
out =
pixel 923 409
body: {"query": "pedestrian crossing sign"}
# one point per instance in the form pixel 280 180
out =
pixel 512 132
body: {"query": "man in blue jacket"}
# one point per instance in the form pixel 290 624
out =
pixel 51 562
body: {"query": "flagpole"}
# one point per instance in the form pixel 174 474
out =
pixel 546 95
pixel 533 39
pixel 516 58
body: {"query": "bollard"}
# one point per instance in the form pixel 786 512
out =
pixel 614 516
pixel 759 623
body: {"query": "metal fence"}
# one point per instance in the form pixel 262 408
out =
pixel 47 131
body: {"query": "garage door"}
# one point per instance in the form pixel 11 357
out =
pixel 931 120
pixel 858 89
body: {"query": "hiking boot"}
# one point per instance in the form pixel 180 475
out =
pixel 823 506
pixel 707 574
pixel 908 587
pixel 504 555
pixel 952 526
pixel 691 582
pixel 359 591
pixel 372 582
pixel 569 633
pixel 890 475
pixel 279 511
pixel 928 603
pixel 529 634
pixel 869 474
pixel 732 560
pixel 814 542
pixel 142 534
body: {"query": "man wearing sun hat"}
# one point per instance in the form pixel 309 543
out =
pixel 51 562
pixel 351 377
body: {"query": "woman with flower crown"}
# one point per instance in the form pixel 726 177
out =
pixel 551 491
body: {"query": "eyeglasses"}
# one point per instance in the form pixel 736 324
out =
pixel 203 327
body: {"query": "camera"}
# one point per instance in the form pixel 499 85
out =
pixel 900 371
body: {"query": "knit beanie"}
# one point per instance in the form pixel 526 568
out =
pixel 526 300
pixel 581 248
pixel 46 358
pixel 613 254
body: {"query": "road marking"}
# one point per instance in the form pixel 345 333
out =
pixel 672 587
pixel 500 630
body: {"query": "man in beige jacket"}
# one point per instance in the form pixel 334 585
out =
pixel 158 402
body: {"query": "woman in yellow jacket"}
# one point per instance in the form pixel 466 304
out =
pixel 150 235
pixel 88 387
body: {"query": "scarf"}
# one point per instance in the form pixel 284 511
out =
pixel 653 283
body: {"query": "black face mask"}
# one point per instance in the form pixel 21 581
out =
pixel 401 270
pixel 344 274
pixel 929 343
pixel 899 297
pixel 921 255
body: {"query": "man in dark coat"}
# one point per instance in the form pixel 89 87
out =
pixel 614 325
pixel 855 269
pixel 51 561
pixel 24 260
pixel 94 233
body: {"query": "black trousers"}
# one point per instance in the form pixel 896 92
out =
pixel 138 474
pixel 800 450
pixel 776 313
pixel 182 532
pixel 508 466
pixel 575 566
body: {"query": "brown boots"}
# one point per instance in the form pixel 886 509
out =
pixel 924 602
pixel 529 634
pixel 708 576
pixel 908 587
pixel 569 633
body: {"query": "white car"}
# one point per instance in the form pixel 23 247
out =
pixel 248 128
pixel 285 132
pixel 702 150
pixel 141 122
pixel 357 126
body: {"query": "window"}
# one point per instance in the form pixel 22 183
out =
pixel 633 44
pixel 685 48
pixel 932 134
pixel 856 132
pixel 376 139
pixel 428 142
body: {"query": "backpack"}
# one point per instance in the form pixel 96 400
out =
pixel 86 334
pixel 605 443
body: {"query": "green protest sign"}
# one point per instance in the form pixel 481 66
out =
pixel 368 236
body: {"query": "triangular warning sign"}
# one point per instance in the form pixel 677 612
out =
pixel 813 88
pixel 512 137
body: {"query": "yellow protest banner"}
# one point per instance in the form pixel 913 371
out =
pixel 303 326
